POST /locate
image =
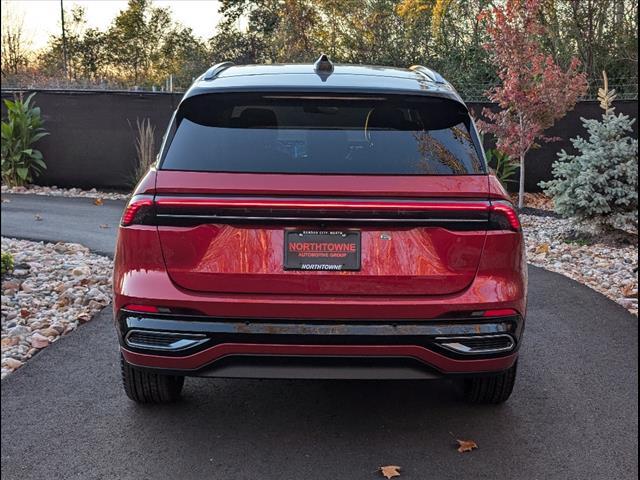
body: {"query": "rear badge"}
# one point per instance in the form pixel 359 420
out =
pixel 322 250
pixel 385 236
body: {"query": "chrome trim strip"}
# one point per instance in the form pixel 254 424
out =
pixel 456 344
pixel 468 329
pixel 182 341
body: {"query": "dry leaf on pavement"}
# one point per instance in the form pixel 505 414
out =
pixel 390 471
pixel 98 202
pixel 466 445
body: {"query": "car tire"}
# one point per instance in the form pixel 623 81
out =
pixel 490 389
pixel 147 387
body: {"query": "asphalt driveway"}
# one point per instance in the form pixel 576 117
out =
pixel 61 219
pixel 573 414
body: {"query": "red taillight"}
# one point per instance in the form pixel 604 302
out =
pixel 322 204
pixel 137 207
pixel 142 308
pixel 508 212
pixel 504 312
pixel 500 214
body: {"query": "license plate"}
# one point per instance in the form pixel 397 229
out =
pixel 322 250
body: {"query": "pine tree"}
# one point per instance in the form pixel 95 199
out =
pixel 599 184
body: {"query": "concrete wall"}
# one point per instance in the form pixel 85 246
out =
pixel 92 135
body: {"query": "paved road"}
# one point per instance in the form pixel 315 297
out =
pixel 573 414
pixel 62 219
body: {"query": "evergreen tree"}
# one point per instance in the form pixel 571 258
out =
pixel 600 183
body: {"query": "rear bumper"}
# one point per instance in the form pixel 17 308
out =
pixel 204 346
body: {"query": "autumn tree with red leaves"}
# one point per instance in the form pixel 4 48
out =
pixel 534 90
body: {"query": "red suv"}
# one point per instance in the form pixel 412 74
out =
pixel 320 221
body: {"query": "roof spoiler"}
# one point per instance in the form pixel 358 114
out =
pixel 432 75
pixel 215 70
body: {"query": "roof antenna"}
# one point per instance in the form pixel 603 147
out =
pixel 323 67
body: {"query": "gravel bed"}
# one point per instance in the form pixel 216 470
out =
pixel 52 290
pixel 65 192
pixel 607 265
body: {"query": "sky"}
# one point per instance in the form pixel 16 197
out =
pixel 42 17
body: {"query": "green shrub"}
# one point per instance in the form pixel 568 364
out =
pixel 502 165
pixel 599 184
pixel 7 262
pixel 21 163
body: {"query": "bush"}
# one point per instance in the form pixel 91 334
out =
pixel 501 165
pixel 7 262
pixel 20 162
pixel 600 183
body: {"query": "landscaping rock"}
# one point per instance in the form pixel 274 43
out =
pixel 11 363
pixel 49 332
pixel 9 342
pixel 65 192
pixel 46 300
pixel 39 341
pixel 605 263
pixel 19 331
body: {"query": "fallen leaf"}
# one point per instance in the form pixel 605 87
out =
pixel 104 225
pixel 37 217
pixel 543 248
pixel 24 313
pixel 628 290
pixel 466 445
pixel 98 202
pixel 390 471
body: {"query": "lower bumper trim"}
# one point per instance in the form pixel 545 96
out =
pixel 318 368
pixel 192 364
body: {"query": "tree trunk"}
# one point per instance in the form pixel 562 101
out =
pixel 521 189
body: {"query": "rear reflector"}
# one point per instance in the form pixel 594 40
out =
pixel 142 308
pixel 505 312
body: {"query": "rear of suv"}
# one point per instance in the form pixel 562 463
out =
pixel 320 221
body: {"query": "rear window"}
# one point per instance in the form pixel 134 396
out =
pixel 274 133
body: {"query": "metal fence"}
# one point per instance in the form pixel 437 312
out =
pixel 34 82
pixel 625 87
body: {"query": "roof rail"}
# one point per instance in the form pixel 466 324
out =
pixel 215 70
pixel 432 75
